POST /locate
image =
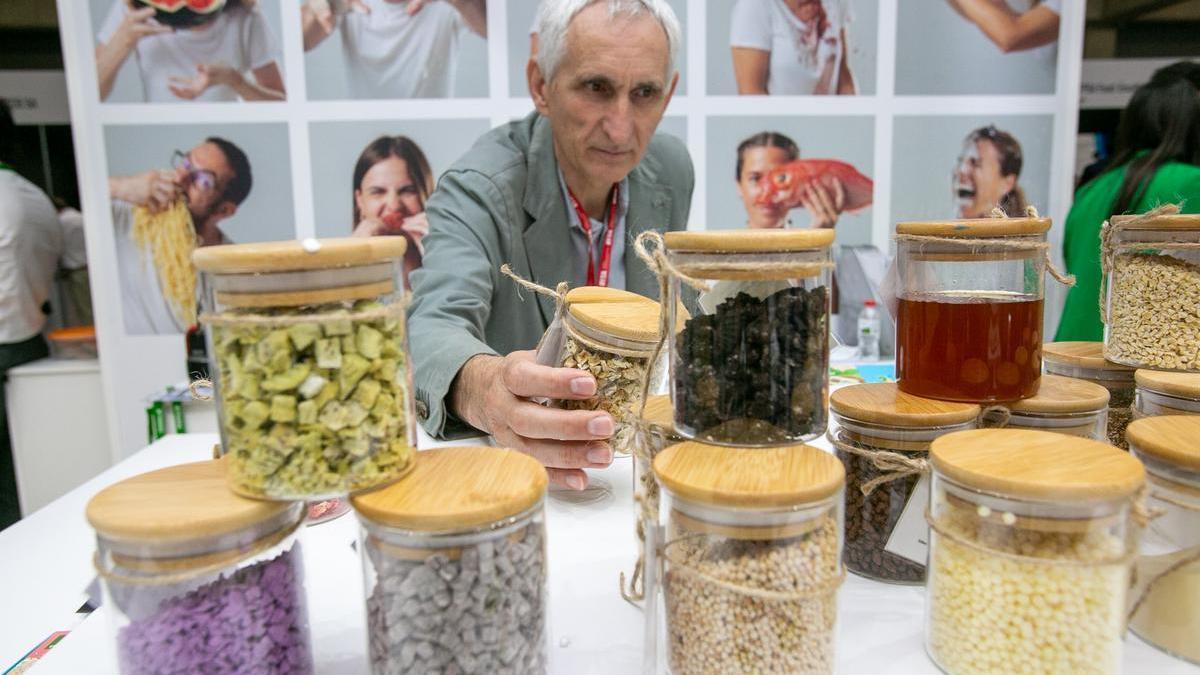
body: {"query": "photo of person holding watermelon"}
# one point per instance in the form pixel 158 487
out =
pixel 190 50
pixel 392 182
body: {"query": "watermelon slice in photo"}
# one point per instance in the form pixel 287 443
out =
pixel 184 13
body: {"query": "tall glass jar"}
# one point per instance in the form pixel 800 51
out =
pixel 1031 551
pixel 1085 361
pixel 752 558
pixel 969 321
pixel 454 558
pixel 1166 598
pixel 308 351
pixel 658 419
pixel 1164 393
pixel 751 366
pixel 199 579
pixel 1063 405
pixel 886 533
pixel 1143 326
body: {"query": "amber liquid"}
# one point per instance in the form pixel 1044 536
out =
pixel 981 351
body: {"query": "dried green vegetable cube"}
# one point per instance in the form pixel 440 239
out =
pixel 367 392
pixel 306 412
pixel 328 393
pixel 385 406
pixel 312 385
pixel 333 415
pixel 274 352
pixel 355 413
pixel 283 408
pixel 303 335
pixel 255 413
pixel 329 353
pixel 354 367
pixel 288 380
pixel 369 341
pixel 340 327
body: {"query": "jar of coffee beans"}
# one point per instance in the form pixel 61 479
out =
pixel 1063 405
pixel 1085 361
pixel 752 550
pixel 1164 393
pixel 886 533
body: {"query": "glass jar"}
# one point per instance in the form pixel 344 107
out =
pixel 1165 393
pixel 1145 327
pixel 199 579
pixel 1166 599
pixel 454 558
pixel 752 555
pixel 886 533
pixel 1063 405
pixel 969 321
pixel 1031 550
pixel 660 434
pixel 1085 361
pixel 751 365
pixel 308 352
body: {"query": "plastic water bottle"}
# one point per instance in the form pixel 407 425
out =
pixel 868 332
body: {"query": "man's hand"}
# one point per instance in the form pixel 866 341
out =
pixel 492 394
pixel 153 189
pixel 823 202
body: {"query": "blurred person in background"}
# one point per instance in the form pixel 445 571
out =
pixel 986 175
pixel 1156 161
pixel 766 150
pixel 791 47
pixel 392 182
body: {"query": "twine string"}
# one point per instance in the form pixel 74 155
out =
pixel 1109 249
pixel 894 465
pixel 822 589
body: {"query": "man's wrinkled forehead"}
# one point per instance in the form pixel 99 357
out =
pixel 596 31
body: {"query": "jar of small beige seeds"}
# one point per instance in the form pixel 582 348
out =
pixel 1163 393
pixel 752 548
pixel 1031 551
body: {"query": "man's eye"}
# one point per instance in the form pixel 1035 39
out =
pixel 595 87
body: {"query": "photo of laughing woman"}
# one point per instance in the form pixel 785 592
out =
pixel 392 182
pixel 987 175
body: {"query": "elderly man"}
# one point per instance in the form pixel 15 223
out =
pixel 541 194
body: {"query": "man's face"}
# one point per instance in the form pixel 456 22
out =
pixel 204 185
pixel 608 93
pixel 756 162
pixel 978 183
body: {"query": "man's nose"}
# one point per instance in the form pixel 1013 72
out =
pixel 619 123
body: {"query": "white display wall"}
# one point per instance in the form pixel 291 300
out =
pixel 926 78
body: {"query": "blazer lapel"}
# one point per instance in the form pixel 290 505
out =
pixel 548 249
pixel 649 209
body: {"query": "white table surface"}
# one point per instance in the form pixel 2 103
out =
pixel 46 564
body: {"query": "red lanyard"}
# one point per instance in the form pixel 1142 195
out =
pixel 606 252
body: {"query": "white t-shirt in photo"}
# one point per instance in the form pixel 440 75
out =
pixel 390 54
pixel 146 310
pixel 798 57
pixel 237 37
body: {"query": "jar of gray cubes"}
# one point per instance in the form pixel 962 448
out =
pixel 454 556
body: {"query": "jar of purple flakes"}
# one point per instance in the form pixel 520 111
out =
pixel 198 579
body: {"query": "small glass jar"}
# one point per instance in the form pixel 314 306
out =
pixel 198 578
pixel 1085 361
pixel 752 555
pixel 1063 405
pixel 308 352
pixel 969 321
pixel 660 434
pixel 751 365
pixel 1165 393
pixel 454 558
pixel 1144 326
pixel 1031 550
pixel 886 533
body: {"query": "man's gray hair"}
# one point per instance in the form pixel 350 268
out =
pixel 555 15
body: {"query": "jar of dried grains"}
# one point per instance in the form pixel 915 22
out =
pixel 752 550
pixel 1166 609
pixel 1063 405
pixel 1085 361
pixel 1152 268
pixel 751 368
pixel 198 578
pixel 455 564
pixel 307 344
pixel 886 534
pixel 1031 550
pixel 1164 393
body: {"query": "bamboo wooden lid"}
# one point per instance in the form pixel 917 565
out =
pixel 1038 465
pixel 1171 438
pixel 285 256
pixel 457 488
pixel 175 504
pixel 884 403
pixel 589 294
pixel 1058 394
pixel 1081 354
pixel 1179 221
pixel 1185 385
pixel 659 413
pixel 981 228
pixel 749 478
pixel 749 241
pixel 636 320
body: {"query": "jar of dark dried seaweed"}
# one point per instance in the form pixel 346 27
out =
pixel 751 365
pixel 1085 361
pixel 886 533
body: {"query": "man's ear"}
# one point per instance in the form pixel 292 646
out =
pixel 538 86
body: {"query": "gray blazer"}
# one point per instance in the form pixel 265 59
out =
pixel 501 203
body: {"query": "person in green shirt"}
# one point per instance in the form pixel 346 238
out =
pixel 1157 162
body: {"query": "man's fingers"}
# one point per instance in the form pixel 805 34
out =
pixel 557 454
pixel 527 379
pixel 536 421
pixel 574 479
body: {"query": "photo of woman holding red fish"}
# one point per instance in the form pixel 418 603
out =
pixel 392 181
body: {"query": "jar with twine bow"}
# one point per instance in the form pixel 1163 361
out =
pixel 969 314
pixel 654 433
pixel 307 345
pixel 1166 393
pixel 199 579
pixel 1150 298
pixel 1166 597
pixel 1032 543
pixel 751 558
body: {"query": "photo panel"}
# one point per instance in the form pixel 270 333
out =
pixel 381 49
pixel 175 187
pixel 522 16
pixel 199 50
pixel 776 47
pixel 835 169
pixel 948 48
pixel 962 166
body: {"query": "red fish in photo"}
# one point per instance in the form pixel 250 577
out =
pixel 784 185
